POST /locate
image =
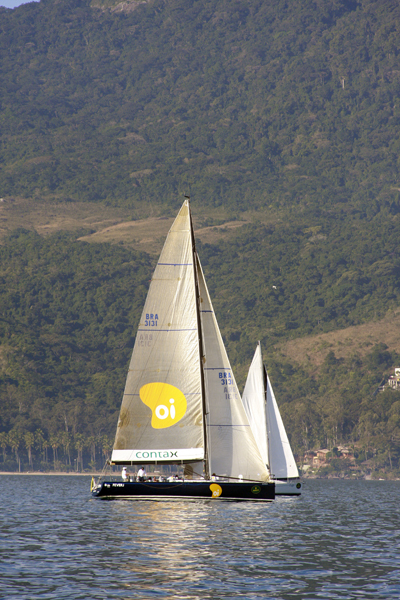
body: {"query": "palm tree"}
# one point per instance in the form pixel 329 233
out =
pixel 66 442
pixel 91 443
pixel 79 445
pixel 55 444
pixel 14 439
pixel 39 440
pixel 46 446
pixel 106 446
pixel 29 440
pixel 4 444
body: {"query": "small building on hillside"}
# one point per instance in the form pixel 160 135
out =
pixel 346 452
pixel 394 380
pixel 320 459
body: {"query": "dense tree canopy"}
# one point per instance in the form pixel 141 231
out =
pixel 68 311
pixel 67 328
pixel 284 113
pixel 249 103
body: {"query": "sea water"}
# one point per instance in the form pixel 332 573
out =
pixel 339 540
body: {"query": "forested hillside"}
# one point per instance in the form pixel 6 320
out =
pixel 283 114
pixel 249 103
pixel 67 324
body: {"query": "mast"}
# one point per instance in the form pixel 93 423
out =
pixel 200 339
pixel 265 397
pixel 265 377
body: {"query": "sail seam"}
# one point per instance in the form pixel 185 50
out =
pixel 233 425
pixel 164 330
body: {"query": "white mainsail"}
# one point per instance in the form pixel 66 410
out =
pixel 232 449
pixel 266 421
pixel 163 386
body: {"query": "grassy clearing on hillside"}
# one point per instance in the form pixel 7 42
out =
pixel 313 350
pixel 120 225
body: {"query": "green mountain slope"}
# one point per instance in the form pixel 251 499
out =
pixel 283 114
pixel 67 326
pixel 246 103
pixel 68 312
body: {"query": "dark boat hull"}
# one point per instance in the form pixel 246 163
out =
pixel 180 490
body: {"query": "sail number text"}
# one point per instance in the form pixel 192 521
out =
pixel 151 320
pixel 227 382
pixel 145 339
pixel 226 378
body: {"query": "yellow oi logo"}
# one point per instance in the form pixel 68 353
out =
pixel 167 403
pixel 216 490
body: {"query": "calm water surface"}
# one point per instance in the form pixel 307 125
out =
pixel 338 540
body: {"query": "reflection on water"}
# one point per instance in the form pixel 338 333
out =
pixel 338 540
pixel 168 530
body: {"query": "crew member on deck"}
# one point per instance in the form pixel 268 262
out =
pixel 141 474
pixel 125 474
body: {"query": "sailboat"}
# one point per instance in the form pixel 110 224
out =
pixel 268 428
pixel 181 407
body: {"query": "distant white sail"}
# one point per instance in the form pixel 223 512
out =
pixel 282 463
pixel 254 401
pixel 266 421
